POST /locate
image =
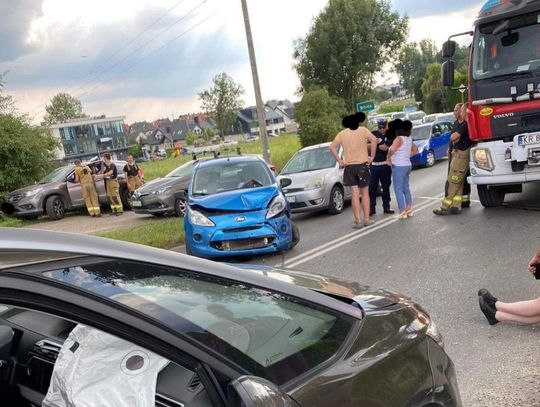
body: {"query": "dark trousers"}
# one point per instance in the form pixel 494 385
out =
pixel 382 174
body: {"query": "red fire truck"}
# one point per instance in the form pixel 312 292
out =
pixel 503 98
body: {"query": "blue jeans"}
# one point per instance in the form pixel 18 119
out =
pixel 400 179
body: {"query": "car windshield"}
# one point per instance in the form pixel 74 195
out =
pixel 310 160
pixel 446 117
pixel 182 171
pixel 416 116
pixel 429 118
pixel 230 176
pixel 421 133
pixel 507 47
pixel 57 175
pixel 269 334
pixel 399 115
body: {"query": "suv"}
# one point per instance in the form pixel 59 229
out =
pixel 58 193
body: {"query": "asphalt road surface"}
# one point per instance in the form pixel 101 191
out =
pixel 441 262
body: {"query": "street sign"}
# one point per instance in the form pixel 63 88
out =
pixel 367 106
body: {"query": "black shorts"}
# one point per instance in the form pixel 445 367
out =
pixel 356 175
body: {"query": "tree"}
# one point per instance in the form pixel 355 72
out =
pixel 345 46
pixel 135 149
pixel 190 138
pixel 433 90
pixel 319 116
pixel 412 63
pixel 222 100
pixel 63 107
pixel 6 101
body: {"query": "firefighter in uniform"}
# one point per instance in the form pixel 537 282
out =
pixel 110 175
pixel 380 170
pixel 459 167
pixel 131 172
pixel 83 175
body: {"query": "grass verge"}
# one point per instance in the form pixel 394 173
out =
pixel 8 222
pixel 163 233
pixel 281 148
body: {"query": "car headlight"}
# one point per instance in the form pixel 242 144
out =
pixel 315 183
pixel 197 218
pixel 161 191
pixel 482 159
pixel 277 205
pixel 433 333
pixel 34 191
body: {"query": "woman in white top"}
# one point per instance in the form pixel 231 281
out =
pixel 399 157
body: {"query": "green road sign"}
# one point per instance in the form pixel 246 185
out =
pixel 365 106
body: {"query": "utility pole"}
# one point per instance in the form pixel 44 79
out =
pixel 258 98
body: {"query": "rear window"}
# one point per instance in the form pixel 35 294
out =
pixel 269 334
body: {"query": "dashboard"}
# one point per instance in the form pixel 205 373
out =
pixel 37 341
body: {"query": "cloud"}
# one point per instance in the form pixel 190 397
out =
pixel 415 8
pixel 15 20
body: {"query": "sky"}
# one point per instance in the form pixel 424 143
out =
pixel 148 59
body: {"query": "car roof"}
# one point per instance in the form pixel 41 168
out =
pixel 20 241
pixel 216 162
pixel 316 146
pixel 423 125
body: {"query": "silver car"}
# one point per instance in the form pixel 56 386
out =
pixel 312 180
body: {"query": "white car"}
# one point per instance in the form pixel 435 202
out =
pixel 416 117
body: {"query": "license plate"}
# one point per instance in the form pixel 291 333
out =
pixel 291 199
pixel 526 139
pixel 136 204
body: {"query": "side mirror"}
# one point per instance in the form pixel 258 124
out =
pixel 285 182
pixel 448 49
pixel 252 391
pixel 6 338
pixel 447 72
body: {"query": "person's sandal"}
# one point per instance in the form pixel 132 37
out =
pixel 402 215
pixel 410 213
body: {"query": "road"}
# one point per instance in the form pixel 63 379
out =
pixel 441 262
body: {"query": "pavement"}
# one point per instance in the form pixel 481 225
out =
pixel 440 262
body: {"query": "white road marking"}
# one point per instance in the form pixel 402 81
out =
pixel 348 238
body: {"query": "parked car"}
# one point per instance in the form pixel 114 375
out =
pixel 188 331
pixel 160 196
pixel 398 115
pixel 312 180
pixel 446 117
pixel 416 117
pixel 432 141
pixel 236 208
pixel 430 118
pixel 58 193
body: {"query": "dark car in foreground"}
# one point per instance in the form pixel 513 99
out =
pixel 222 335
pixel 58 193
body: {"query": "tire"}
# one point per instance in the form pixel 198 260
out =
pixel 430 159
pixel 180 207
pixel 490 196
pixel 336 201
pixel 125 197
pixel 55 207
pixel 295 235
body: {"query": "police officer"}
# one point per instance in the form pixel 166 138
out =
pixel 110 175
pixel 131 172
pixel 466 203
pixel 380 170
pixel 83 175
pixel 461 146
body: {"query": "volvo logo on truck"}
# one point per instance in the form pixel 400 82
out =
pixel 503 115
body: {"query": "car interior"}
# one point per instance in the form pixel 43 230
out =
pixel 30 344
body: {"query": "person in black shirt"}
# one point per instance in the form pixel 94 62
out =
pixel 131 173
pixel 459 167
pixel 380 170
pixel 110 175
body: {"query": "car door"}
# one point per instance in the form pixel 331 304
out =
pixel 446 133
pixel 435 140
pixel 97 168
pixel 74 191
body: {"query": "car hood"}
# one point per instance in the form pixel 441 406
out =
pixel 48 185
pixel 239 200
pixel 301 178
pixel 421 143
pixel 348 291
pixel 159 183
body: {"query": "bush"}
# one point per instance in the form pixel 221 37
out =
pixel 394 106
pixel 135 150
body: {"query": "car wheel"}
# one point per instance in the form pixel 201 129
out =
pixel 295 235
pixel 126 199
pixel 337 201
pixel 55 207
pixel 180 207
pixel 430 159
pixel 490 197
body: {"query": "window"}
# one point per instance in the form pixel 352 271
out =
pixel 310 160
pixel 267 333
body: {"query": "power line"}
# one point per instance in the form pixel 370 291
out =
pixel 119 50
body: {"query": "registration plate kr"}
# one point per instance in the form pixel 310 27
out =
pixel 136 204
pixel 526 139
pixel 291 199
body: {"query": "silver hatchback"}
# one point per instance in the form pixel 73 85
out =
pixel 312 180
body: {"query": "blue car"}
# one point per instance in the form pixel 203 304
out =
pixel 432 140
pixel 236 208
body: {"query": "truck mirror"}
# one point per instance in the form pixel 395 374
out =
pixel 447 72
pixel 448 49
